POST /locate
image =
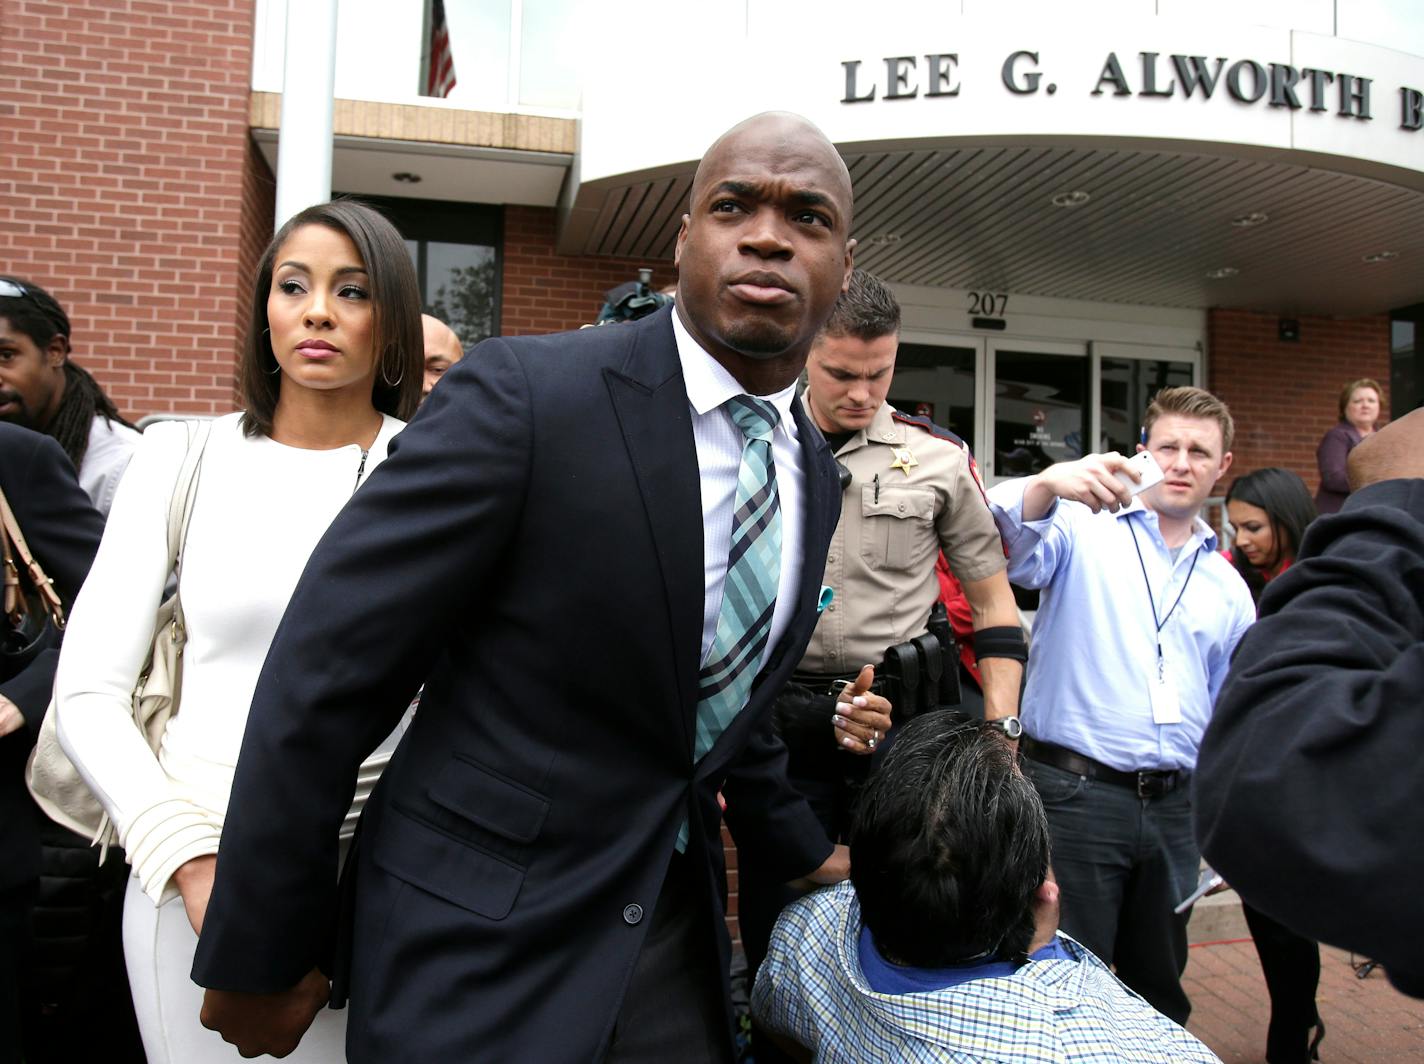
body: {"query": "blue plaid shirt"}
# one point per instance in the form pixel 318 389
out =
pixel 811 989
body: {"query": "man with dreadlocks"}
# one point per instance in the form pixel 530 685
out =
pixel 41 389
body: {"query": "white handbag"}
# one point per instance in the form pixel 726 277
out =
pixel 53 780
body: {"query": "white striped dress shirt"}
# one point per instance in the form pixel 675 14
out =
pixel 719 456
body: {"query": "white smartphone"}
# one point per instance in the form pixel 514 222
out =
pixel 1146 467
pixel 1208 881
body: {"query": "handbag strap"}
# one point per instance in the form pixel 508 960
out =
pixel 49 598
pixel 180 510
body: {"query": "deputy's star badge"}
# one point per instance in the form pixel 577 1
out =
pixel 904 460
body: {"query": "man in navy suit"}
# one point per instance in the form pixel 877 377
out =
pixel 63 530
pixel 538 875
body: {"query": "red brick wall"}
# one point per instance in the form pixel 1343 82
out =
pixel 123 139
pixel 1283 395
pixel 548 292
pixel 259 211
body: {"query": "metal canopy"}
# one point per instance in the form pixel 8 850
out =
pixel 1156 225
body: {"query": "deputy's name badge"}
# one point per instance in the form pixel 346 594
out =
pixel 904 460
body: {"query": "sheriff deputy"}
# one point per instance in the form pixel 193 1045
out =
pixel 911 489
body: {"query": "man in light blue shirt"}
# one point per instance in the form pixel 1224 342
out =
pixel 1138 619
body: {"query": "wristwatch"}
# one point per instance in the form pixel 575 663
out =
pixel 1012 727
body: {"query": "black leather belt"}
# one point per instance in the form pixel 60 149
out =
pixel 1146 784
pixel 822 683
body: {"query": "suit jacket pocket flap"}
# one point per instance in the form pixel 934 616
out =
pixel 446 867
pixel 489 800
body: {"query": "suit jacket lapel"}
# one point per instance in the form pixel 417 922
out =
pixel 650 399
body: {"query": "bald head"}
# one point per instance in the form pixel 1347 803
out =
pixel 793 138
pixel 442 350
pixel 764 249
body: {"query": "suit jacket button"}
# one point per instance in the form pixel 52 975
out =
pixel 632 914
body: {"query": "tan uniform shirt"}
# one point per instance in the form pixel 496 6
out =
pixel 882 558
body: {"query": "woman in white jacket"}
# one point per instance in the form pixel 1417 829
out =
pixel 331 364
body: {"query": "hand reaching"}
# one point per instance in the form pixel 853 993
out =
pixel 1091 481
pixel 861 719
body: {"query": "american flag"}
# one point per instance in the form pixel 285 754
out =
pixel 440 78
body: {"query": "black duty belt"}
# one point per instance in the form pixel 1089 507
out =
pixel 1146 784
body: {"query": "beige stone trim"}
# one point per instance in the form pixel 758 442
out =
pixel 430 125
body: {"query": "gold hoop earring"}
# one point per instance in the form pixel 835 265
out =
pixel 276 366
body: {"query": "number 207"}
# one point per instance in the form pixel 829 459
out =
pixel 988 304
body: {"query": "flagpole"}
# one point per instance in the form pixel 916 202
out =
pixel 424 75
pixel 304 140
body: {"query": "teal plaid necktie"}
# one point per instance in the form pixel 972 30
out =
pixel 749 593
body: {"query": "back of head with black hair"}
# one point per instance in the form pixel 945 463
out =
pixel 1289 507
pixel 948 847
pixel 39 316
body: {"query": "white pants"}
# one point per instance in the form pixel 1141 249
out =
pixel 159 944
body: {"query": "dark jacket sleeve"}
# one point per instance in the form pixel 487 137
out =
pixel 1308 795
pixel 420 538
pixel 1332 456
pixel 767 815
pixel 63 530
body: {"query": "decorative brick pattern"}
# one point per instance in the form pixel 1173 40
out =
pixel 547 292
pixel 1283 395
pixel 1366 1020
pixel 124 133
pixel 729 854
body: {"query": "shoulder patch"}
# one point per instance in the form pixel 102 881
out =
pixel 924 423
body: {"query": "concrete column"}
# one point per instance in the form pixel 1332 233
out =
pixel 308 83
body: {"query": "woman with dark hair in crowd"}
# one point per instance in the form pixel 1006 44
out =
pixel 1360 405
pixel 1269 510
pixel 43 390
pixel 330 366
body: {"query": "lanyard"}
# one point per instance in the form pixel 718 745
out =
pixel 1153 601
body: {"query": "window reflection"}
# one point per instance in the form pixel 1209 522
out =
pixel 1040 410
pixel 459 288
pixel 1126 387
pixel 548 47
pixel 938 383
pixel 455 249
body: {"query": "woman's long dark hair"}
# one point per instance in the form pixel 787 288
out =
pixel 1289 508
pixel 39 316
pixel 395 303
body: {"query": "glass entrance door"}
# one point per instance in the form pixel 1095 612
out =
pixel 940 381
pixel 1040 396
pixel 1023 404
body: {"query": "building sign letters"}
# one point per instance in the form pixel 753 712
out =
pixel 935 74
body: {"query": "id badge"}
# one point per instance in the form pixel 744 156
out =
pixel 1166 706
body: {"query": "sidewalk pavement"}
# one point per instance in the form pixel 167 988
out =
pixel 1366 1020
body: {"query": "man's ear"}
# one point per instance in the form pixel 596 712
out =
pixel 56 352
pixel 1225 464
pixel 681 239
pixel 1047 892
pixel 849 264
